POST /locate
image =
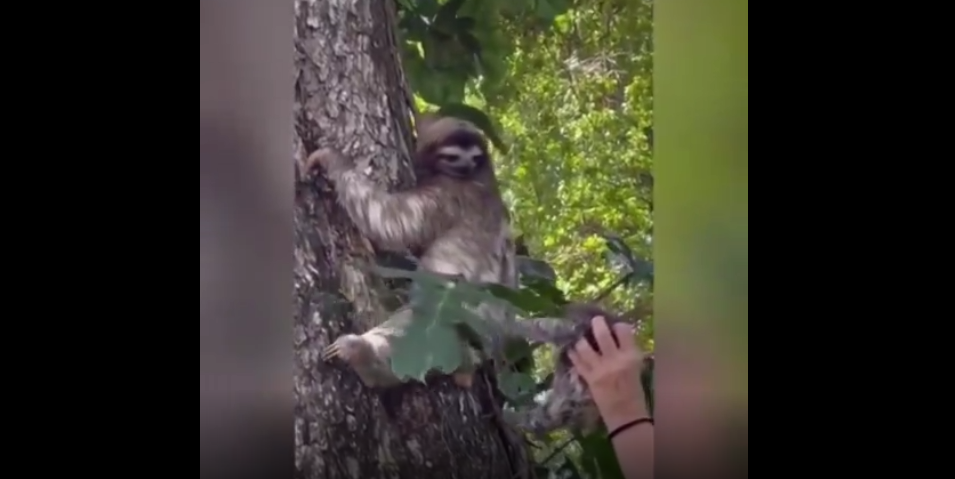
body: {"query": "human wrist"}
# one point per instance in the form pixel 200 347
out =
pixel 619 415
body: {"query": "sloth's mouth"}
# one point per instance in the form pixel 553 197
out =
pixel 461 171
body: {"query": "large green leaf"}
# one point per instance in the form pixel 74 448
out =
pixel 599 458
pixel 427 8
pixel 526 300
pixel 448 11
pixel 546 290
pixel 431 342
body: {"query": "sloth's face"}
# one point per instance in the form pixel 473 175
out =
pixel 461 155
pixel 460 162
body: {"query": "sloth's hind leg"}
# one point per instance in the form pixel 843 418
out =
pixel 369 354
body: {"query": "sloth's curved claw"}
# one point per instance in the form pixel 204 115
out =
pixel 349 348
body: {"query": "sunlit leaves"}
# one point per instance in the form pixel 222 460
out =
pixel 577 111
pixel 462 42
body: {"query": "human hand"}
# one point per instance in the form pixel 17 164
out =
pixel 613 374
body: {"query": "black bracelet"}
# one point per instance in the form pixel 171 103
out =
pixel 628 425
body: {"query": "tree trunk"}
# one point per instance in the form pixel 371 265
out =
pixel 351 95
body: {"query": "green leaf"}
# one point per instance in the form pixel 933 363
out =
pixel 536 268
pixel 514 384
pixel 470 42
pixel 413 28
pixel 440 303
pixel 545 289
pixel 519 354
pixel 493 68
pixel 548 10
pixel 517 7
pixel 438 86
pixel 446 20
pixel 406 5
pixel 544 11
pixel 477 117
pixel 427 345
pixel 525 300
pixel 467 294
pixel 449 10
pixel 433 340
pixel 444 55
pixel 464 24
pixel 427 8
pixel 598 457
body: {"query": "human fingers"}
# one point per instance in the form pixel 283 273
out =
pixel 586 354
pixel 625 333
pixel 603 336
pixel 580 365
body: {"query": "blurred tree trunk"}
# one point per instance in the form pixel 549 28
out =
pixel 350 94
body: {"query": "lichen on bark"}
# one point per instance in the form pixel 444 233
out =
pixel 350 95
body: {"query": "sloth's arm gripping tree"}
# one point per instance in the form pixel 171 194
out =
pixel 350 94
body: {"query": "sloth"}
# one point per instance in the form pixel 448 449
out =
pixel 456 221
pixel 569 403
pixel 453 219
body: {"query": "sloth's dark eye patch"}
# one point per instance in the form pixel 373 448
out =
pixel 464 139
pixel 453 159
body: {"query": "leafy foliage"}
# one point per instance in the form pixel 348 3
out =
pixel 447 44
pixel 563 90
pixel 441 317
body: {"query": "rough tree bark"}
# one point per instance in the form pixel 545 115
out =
pixel 350 94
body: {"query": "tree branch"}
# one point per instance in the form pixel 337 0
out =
pixel 600 297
